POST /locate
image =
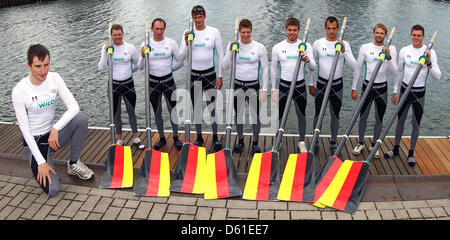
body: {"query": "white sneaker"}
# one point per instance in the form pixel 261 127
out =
pixel 137 142
pixel 302 146
pixel 119 142
pixel 79 169
pixel 357 150
pixel 377 154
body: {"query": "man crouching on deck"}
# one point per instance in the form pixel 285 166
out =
pixel 34 104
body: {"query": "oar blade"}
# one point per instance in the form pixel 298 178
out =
pixel 324 177
pixel 190 171
pixel 298 182
pixel 345 190
pixel 263 180
pixel 222 181
pixel 154 177
pixel 118 168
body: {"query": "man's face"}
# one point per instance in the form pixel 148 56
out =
pixel 246 34
pixel 158 29
pixel 331 29
pixel 379 35
pixel 417 38
pixel 117 36
pixel 39 69
pixel 199 19
pixel 292 32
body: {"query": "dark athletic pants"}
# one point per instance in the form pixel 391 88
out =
pixel 299 99
pixel 247 91
pixel 377 94
pixel 160 86
pixel 202 81
pixel 415 100
pixel 75 132
pixel 124 89
pixel 335 103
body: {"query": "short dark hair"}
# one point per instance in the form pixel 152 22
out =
pixel 116 27
pixel 159 19
pixel 245 23
pixel 418 27
pixel 382 26
pixel 37 50
pixel 292 21
pixel 198 9
pixel 332 19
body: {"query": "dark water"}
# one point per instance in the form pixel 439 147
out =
pixel 74 31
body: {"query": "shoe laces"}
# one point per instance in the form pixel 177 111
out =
pixel 79 166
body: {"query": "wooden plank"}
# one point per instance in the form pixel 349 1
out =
pixel 441 145
pixel 423 162
pixel 246 153
pixel 435 156
pixel 101 144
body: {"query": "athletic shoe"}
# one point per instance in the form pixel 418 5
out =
pixel 316 149
pixel 377 154
pixel 199 142
pixel 119 142
pixel 357 150
pixel 79 169
pixel 256 148
pixel 178 144
pixel 333 148
pixel 302 147
pixel 411 161
pixel 137 142
pixel 160 144
pixel 217 146
pixel 238 147
pixel 390 154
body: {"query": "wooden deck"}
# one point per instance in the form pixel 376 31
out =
pixel 432 154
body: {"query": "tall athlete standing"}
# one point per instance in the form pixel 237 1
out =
pixel 163 50
pixel 125 59
pixel 286 53
pixel 207 43
pixel 250 61
pixel 368 57
pixel 407 64
pixel 324 52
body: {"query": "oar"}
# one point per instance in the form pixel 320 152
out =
pixel 328 171
pixel 190 172
pixel 119 165
pixel 296 183
pixel 263 180
pixel 154 177
pixel 222 181
pixel 346 189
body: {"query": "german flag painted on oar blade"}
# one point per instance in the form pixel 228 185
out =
pixel 324 177
pixel 154 178
pixel 345 190
pixel 298 182
pixel 190 173
pixel 118 168
pixel 222 181
pixel 263 180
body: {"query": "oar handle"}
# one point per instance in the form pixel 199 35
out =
pixel 381 59
pixel 234 48
pixel 301 50
pixel 338 48
pixel 402 100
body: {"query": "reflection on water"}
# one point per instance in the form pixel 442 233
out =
pixel 74 31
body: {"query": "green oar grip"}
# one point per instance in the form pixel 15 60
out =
pixel 191 36
pixel 338 46
pixel 148 49
pixel 382 56
pixel 302 47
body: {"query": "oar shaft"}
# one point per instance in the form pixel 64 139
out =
pixel 231 88
pixel 188 82
pixel 291 88
pixel 401 102
pixel 364 96
pixel 328 87
pixel 148 129
pixel 112 127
